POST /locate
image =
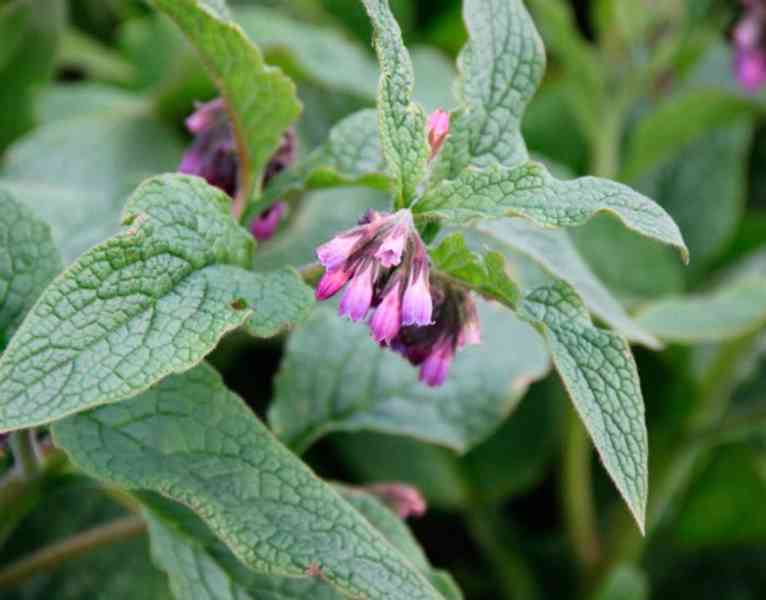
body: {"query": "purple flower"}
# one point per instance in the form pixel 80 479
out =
pixel 357 298
pixel 417 306
pixel 405 500
pixel 265 224
pixel 438 128
pixel 750 46
pixel 432 348
pixel 386 321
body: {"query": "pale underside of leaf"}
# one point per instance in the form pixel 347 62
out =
pixel 601 377
pixel 192 440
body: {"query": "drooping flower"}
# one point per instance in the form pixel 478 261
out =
pixel 405 500
pixel 213 156
pixel 456 324
pixel 438 128
pixel 386 266
pixel 750 46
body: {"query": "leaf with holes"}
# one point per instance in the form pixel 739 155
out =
pixel 192 440
pixel 530 191
pixel 600 375
pixel 151 301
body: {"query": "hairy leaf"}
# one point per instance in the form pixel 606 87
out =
pixel 261 100
pixel 402 124
pixel 600 375
pixel 485 274
pixel 28 261
pixel 501 67
pixel 530 191
pixel 151 301
pixel 192 440
pixel 730 312
pixel 335 377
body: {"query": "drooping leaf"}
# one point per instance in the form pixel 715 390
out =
pixel 260 100
pixel 77 169
pixel 402 124
pixel 600 375
pixel 28 261
pixel 554 252
pixel 335 377
pixel 501 67
pixel 727 313
pixel 153 300
pixel 530 191
pixel 29 38
pixel 192 440
pixel 485 274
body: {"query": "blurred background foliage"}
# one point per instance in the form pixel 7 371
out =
pixel 94 93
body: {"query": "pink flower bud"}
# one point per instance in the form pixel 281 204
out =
pixel 265 224
pixel 386 321
pixel 405 500
pixel 438 128
pixel 357 298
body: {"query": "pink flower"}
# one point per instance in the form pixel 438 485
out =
pixel 357 299
pixel 433 371
pixel 750 46
pixel 331 282
pixel 386 321
pixel 417 305
pixel 265 224
pixel 405 500
pixel 335 252
pixel 438 128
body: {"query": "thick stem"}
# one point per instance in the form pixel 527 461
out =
pixel 52 556
pixel 23 450
pixel 577 493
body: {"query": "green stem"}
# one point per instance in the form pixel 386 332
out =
pixel 577 493
pixel 23 450
pixel 52 556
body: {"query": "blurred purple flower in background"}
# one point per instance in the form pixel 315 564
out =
pixel 750 46
pixel 213 156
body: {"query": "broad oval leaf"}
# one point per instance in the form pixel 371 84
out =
pixel 335 377
pixel 28 261
pixel 600 375
pixel 261 100
pixel 192 440
pixel 530 191
pixel 151 301
pixel 402 123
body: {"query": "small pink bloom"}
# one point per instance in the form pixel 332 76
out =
pixel 405 500
pixel 438 128
pixel 206 115
pixel 358 296
pixel 433 371
pixel 265 224
pixel 386 321
pixel 417 305
pixel 331 282
pixel 335 252
pixel 390 252
pixel 470 334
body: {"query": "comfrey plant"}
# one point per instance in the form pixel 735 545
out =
pixel 422 255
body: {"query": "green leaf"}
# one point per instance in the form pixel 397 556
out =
pixel 278 300
pixel 624 582
pixel 554 252
pixel 402 124
pixel 530 191
pixel 192 440
pixel 731 312
pixel 335 377
pixel 501 67
pixel 351 156
pixel 484 274
pixel 600 375
pixel 28 261
pixel 433 77
pixel 29 39
pixel 260 100
pixel 76 170
pixel 151 301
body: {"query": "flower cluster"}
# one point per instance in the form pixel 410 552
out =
pixel 750 46
pixel 385 268
pixel 213 156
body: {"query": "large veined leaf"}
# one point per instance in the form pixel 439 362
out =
pixel 200 566
pixel 28 261
pixel 76 170
pixel 335 377
pixel 530 191
pixel 501 67
pixel 193 441
pixel 600 375
pixel 555 253
pixel 151 301
pixel 402 124
pixel 260 100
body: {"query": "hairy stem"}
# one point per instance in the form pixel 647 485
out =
pixel 52 556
